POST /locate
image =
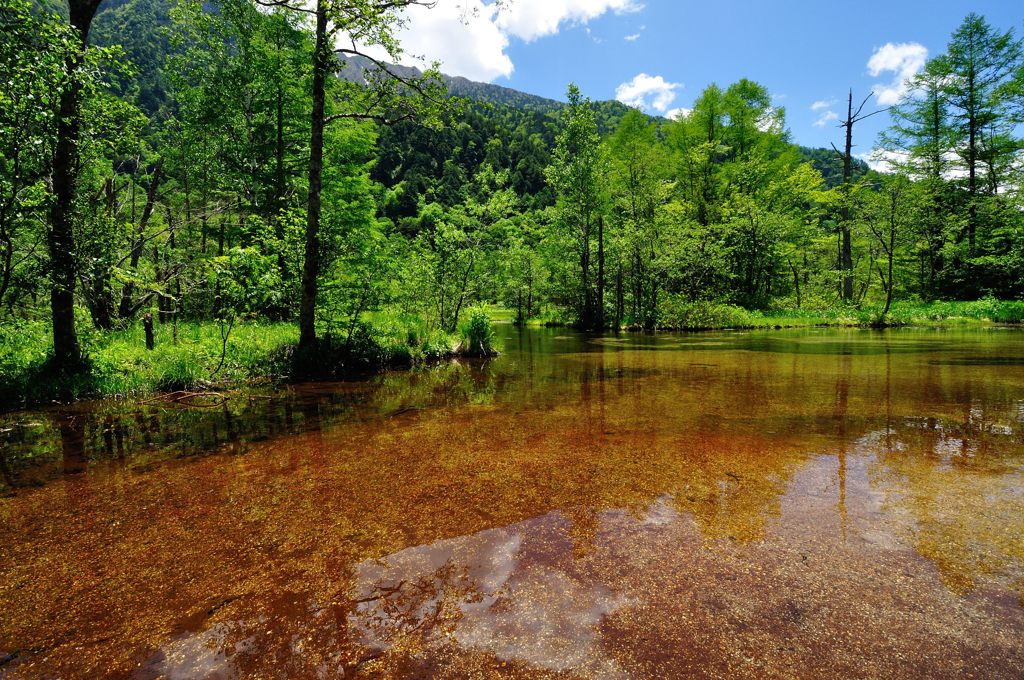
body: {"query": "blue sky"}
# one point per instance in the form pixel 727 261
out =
pixel 804 52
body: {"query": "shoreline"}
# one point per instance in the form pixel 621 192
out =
pixel 270 367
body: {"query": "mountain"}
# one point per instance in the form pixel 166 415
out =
pixel 355 68
pixel 524 123
pixel 609 112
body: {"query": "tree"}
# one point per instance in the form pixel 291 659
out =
pixel 576 173
pixel 640 189
pixel 61 234
pixel 920 143
pixel 32 59
pixel 387 98
pixel 887 218
pixel 979 73
pixel 845 218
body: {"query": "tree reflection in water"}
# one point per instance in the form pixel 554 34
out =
pixel 834 503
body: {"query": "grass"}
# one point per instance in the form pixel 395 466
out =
pixel 679 315
pixel 117 363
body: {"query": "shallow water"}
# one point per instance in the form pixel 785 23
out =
pixel 777 504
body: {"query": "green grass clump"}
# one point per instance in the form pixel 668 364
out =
pixel 477 335
pixel 679 314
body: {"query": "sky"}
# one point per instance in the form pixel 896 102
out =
pixel 658 55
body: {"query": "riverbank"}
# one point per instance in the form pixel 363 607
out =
pixel 213 357
pixel 769 492
pixel 217 357
pixel 676 315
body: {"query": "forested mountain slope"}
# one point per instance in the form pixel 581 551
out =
pixel 523 123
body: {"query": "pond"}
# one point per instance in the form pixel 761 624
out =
pixel 845 503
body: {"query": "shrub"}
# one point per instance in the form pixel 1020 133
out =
pixel 677 313
pixel 478 335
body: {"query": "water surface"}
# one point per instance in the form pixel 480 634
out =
pixel 774 504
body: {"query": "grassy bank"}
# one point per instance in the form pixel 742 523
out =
pixel 679 315
pixel 118 364
pixel 706 316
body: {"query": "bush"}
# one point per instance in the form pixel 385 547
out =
pixel 477 335
pixel 677 313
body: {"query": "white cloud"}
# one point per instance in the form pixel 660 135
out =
pixel 903 60
pixel 463 36
pixel 470 37
pixel 632 37
pixel 532 19
pixel 826 118
pixel 676 114
pixel 882 160
pixel 822 104
pixel 648 92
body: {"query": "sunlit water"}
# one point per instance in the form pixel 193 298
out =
pixel 822 503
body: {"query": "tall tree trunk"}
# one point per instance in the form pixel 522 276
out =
pixel 311 266
pixel 618 297
pixel 972 159
pixel 846 253
pixel 586 317
pixel 599 315
pixel 60 236
pixel 796 280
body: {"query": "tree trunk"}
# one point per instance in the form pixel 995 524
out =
pixel 60 236
pixel 796 281
pixel 311 265
pixel 586 317
pixel 972 161
pixel 147 325
pixel 618 297
pixel 599 315
pixel 846 253
pixel 891 253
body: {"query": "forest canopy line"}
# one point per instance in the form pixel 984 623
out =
pixel 228 163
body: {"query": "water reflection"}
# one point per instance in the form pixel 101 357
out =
pixel 638 506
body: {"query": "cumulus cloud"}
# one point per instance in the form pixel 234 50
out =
pixel 463 36
pixel 903 60
pixel 651 93
pixel 822 104
pixel 826 118
pixel 532 19
pixel 882 160
pixel 469 37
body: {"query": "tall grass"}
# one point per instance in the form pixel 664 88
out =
pixel 678 314
pixel 117 364
pixel 477 335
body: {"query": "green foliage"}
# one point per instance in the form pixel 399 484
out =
pixel 678 313
pixel 195 175
pixel 119 365
pixel 478 335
